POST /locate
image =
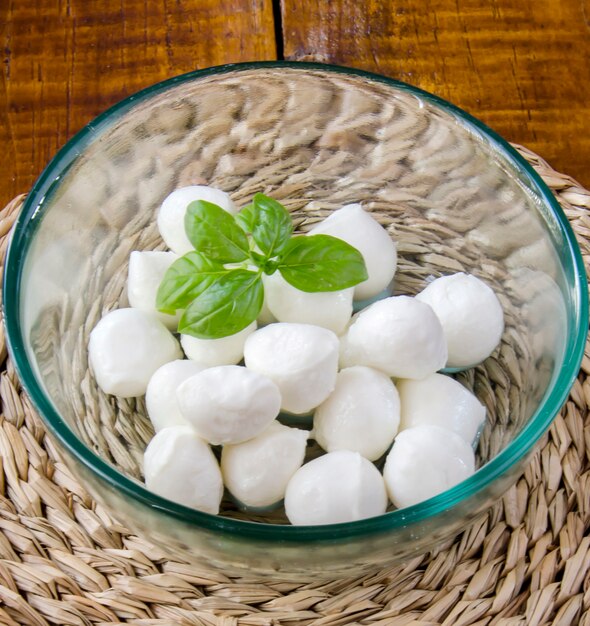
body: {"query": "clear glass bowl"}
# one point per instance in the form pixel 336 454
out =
pixel 453 194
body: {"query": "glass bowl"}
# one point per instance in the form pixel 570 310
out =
pixel 453 194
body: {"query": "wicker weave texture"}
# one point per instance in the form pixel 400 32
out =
pixel 64 560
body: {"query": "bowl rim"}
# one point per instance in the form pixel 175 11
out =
pixel 520 447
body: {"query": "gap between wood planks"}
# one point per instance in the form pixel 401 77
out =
pixel 277 15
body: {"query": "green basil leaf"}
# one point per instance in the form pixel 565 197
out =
pixel 246 218
pixel 259 259
pixel 214 232
pixel 230 304
pixel 272 226
pixel 322 263
pixel 185 279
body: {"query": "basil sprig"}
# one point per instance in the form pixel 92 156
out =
pixel 219 285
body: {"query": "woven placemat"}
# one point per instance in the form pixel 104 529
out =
pixel 64 560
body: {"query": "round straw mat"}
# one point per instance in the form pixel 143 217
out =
pixel 65 560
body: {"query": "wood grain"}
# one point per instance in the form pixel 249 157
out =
pixel 521 66
pixel 67 61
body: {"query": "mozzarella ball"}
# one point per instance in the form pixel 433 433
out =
pixel 362 414
pixel 265 316
pixel 160 396
pixel 146 272
pixel 228 404
pixel 354 225
pixel 126 347
pixel 337 487
pixel 211 352
pixel 256 472
pixel 173 209
pixel 329 309
pixel 425 461
pixel 442 401
pixel 180 466
pixel 301 359
pixel 471 316
pixel 398 335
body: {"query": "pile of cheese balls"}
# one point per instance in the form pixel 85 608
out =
pixel 370 382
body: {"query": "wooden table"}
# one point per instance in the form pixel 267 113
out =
pixel 522 66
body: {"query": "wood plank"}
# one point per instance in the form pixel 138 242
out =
pixel 521 66
pixel 66 61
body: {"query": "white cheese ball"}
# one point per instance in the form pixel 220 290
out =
pixel 265 316
pixel 228 404
pixel 354 225
pixel 362 414
pixel 126 347
pixel 211 352
pixel 328 309
pixel 338 487
pixel 160 396
pixel 471 316
pixel 173 209
pixel 180 466
pixel 300 358
pixel 442 401
pixel 257 471
pixel 399 335
pixel 146 272
pixel 425 461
